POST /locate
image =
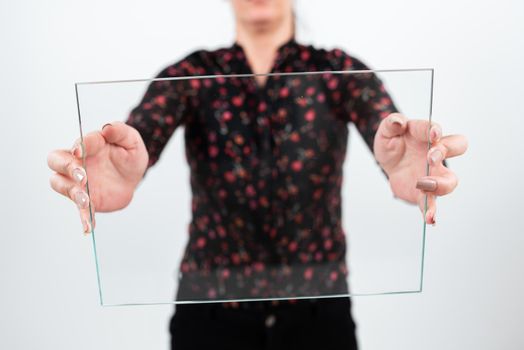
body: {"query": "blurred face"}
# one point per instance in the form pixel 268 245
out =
pixel 261 12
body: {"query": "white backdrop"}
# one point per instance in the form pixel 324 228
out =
pixel 474 272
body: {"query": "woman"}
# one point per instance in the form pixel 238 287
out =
pixel 243 179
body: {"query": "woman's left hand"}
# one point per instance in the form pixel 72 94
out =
pixel 401 149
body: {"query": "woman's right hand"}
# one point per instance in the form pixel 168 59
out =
pixel 115 160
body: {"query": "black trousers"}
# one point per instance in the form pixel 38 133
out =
pixel 322 324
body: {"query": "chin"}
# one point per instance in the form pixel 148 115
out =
pixel 259 12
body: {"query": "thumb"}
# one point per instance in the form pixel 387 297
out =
pixel 393 125
pixel 121 134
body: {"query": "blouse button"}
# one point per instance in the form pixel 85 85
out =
pixel 270 321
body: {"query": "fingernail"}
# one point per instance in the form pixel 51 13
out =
pixel 79 174
pixel 396 120
pixel 76 150
pixel 435 156
pixel 435 134
pixel 107 124
pixel 427 185
pixel 81 199
pixel 430 219
pixel 87 226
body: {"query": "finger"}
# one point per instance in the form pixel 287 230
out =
pixel 438 185
pixel 66 164
pixel 69 188
pixel 430 213
pixel 393 125
pixel 73 191
pixel 121 134
pixel 87 216
pixel 448 146
pixel 419 129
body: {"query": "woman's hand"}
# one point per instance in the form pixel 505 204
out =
pixel 401 149
pixel 115 159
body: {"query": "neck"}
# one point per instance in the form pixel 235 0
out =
pixel 260 43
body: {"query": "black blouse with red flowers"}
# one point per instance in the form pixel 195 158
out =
pixel 266 167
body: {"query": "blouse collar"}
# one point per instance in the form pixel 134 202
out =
pixel 284 51
pixel 288 44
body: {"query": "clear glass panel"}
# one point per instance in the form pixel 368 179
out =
pixel 265 195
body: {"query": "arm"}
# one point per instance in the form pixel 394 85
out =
pixel 164 107
pixel 400 146
pixel 366 102
pixel 120 153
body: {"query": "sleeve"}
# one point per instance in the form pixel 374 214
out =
pixel 366 100
pixel 164 106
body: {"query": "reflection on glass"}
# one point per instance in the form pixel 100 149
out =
pixel 260 200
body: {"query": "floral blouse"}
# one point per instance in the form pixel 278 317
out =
pixel 266 167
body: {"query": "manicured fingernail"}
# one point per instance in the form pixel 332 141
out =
pixel 107 124
pixel 435 134
pixel 79 174
pixel 87 226
pixel 396 120
pixel 74 149
pixel 429 185
pixel 81 199
pixel 435 156
pixel 77 150
pixel 430 219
